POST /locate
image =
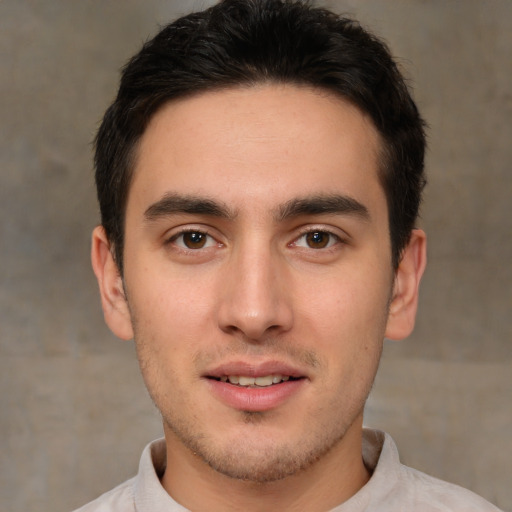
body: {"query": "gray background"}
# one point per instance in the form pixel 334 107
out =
pixel 74 414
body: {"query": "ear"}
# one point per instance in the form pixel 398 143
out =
pixel 113 298
pixel 404 302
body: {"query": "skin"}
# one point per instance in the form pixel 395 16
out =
pixel 252 284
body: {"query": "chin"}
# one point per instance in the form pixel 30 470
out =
pixel 259 455
pixel 259 464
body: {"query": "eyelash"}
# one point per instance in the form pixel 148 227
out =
pixel 333 239
pixel 173 239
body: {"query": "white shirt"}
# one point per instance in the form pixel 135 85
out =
pixel 393 487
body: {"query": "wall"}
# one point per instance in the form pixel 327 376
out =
pixel 74 413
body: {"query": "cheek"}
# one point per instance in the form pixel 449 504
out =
pixel 354 303
pixel 173 321
pixel 346 324
pixel 170 297
pixel 166 325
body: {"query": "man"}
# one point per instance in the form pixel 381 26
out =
pixel 259 177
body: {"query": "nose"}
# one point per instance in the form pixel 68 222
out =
pixel 255 295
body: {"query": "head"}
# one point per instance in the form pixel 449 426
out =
pixel 259 175
pixel 249 42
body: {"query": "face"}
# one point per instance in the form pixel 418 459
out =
pixel 258 277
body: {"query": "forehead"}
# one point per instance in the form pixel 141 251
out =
pixel 264 144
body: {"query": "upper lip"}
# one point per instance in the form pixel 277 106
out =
pixel 254 369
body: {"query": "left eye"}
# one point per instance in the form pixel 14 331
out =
pixel 193 240
pixel 317 240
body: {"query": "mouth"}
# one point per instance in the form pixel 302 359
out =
pixel 255 387
pixel 247 381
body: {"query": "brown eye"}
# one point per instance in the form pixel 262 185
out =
pixel 318 239
pixel 194 240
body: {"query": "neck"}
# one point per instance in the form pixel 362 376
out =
pixel 330 481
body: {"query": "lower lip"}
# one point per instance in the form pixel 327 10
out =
pixel 254 399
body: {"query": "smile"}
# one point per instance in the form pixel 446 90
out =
pixel 247 381
pixel 255 393
pixel 255 385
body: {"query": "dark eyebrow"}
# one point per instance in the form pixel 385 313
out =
pixel 174 203
pixel 323 205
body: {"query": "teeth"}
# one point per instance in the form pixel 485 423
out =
pixel 265 381
pixel 246 381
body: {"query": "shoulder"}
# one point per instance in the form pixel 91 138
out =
pixel 431 494
pixel 394 486
pixel 143 488
pixel 119 499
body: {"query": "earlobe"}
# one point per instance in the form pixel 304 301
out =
pixel 113 299
pixel 404 302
